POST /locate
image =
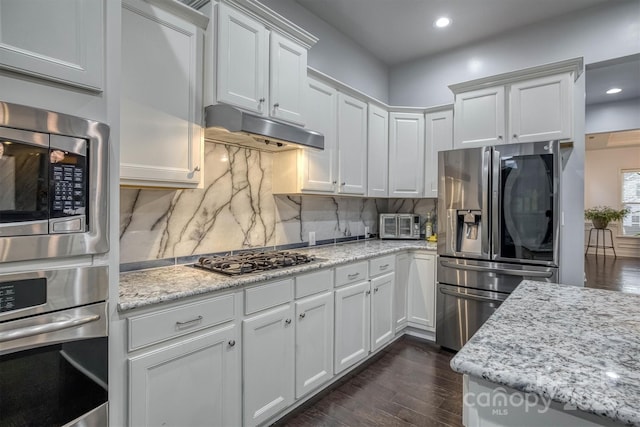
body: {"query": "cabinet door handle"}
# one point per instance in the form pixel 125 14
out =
pixel 287 322
pixel 352 276
pixel 276 105
pixel 189 322
pixel 342 183
pixel 499 136
pixel 375 290
pixel 196 169
pixel 232 343
pixel 261 100
pixel 334 182
pixel 384 266
pixel 515 135
pixel 302 315
pixel 368 292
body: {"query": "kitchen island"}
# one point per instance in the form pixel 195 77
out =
pixel 164 284
pixel 555 355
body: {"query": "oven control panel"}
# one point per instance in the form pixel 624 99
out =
pixel 19 294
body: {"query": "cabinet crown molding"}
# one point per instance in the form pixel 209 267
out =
pixel 575 65
pixel 183 11
pixel 274 21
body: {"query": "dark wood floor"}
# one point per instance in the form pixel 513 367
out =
pixel 409 383
pixel 617 274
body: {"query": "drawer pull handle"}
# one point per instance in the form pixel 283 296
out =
pixel 375 290
pixel 352 276
pixel 189 322
pixel 232 343
pixel 288 321
pixel 384 266
pixel 302 315
pixel 368 292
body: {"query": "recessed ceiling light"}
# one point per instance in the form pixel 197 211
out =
pixel 442 22
pixel 614 90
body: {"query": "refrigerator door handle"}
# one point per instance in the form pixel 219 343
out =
pixel 486 197
pixel 498 298
pixel 507 271
pixel 495 205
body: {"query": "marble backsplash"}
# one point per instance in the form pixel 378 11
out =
pixel 237 210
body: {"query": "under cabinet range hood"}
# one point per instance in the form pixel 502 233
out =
pixel 225 124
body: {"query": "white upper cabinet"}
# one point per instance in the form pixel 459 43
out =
pixel 161 98
pixel 378 152
pixel 61 41
pixel 259 69
pixel 438 137
pixel 406 154
pixel 243 45
pixel 479 118
pixel 352 145
pixel 288 79
pixel 541 109
pixel 534 104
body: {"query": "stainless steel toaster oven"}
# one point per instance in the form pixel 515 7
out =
pixel 399 226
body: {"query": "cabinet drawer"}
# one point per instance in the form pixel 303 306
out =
pixel 314 283
pixel 351 273
pixel 166 324
pixel 382 265
pixel 267 296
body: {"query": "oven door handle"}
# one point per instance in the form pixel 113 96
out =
pixel 507 271
pixel 472 296
pixel 28 331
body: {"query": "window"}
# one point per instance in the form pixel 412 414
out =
pixel 631 200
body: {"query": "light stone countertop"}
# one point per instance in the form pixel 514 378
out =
pixel 575 345
pixel 153 286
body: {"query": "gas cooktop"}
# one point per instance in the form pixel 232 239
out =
pixel 252 262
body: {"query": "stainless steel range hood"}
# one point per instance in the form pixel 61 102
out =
pixel 228 125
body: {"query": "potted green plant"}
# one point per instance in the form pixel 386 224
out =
pixel 601 216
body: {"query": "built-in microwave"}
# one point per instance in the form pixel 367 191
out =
pixel 399 226
pixel 53 184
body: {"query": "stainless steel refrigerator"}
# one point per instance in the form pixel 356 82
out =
pixel 498 223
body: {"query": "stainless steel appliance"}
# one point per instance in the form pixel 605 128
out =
pixel 53 347
pixel 252 262
pixel 53 184
pixel 498 213
pixel 399 226
pixel 232 126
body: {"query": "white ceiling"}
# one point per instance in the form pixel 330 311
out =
pixel 396 31
pixel 623 73
pixel 601 141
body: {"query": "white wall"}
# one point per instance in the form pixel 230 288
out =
pixel 597 34
pixel 602 174
pixel 613 116
pixel 337 55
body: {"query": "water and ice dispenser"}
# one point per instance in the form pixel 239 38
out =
pixel 468 231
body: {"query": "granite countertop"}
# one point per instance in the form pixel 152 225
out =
pixel 574 345
pixel 153 286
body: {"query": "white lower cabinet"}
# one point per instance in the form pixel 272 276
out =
pixel 403 261
pixel 194 382
pixel 422 295
pixel 314 342
pixel 382 320
pixel 352 325
pixel 267 363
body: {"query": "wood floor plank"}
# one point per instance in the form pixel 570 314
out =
pixel 408 384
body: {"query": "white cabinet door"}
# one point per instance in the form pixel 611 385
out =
pixel 403 262
pixel 352 325
pixel 352 145
pixel 161 98
pixel 422 293
pixel 382 319
pixel 314 342
pixel 479 118
pixel 194 382
pixel 242 60
pixel 378 152
pixel 541 109
pixel 319 167
pixel 268 364
pixel 439 137
pixel 61 41
pixel 406 154
pixel 288 79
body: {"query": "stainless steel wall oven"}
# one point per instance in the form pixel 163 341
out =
pixel 53 315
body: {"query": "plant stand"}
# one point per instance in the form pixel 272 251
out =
pixel 604 247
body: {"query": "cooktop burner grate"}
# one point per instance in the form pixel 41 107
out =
pixel 252 262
